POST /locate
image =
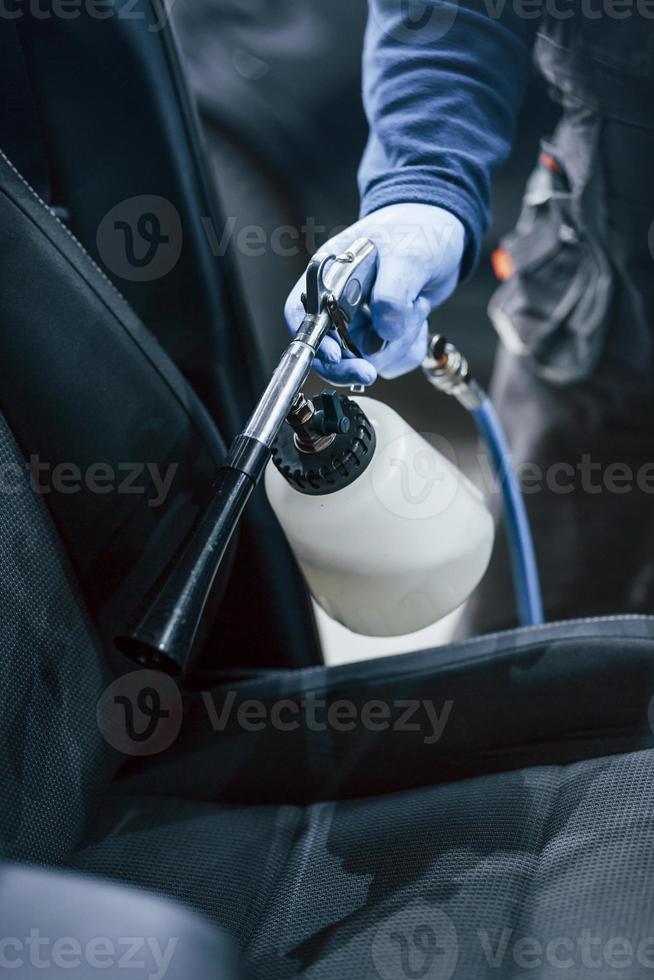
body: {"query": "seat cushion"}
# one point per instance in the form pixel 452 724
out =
pixel 223 860
pixel 500 836
pixel 490 876
pixel 537 696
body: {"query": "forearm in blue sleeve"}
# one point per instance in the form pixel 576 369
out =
pixel 442 101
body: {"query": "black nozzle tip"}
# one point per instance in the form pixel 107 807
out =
pixel 146 656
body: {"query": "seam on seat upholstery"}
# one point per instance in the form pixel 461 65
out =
pixel 303 828
pixel 396 660
pixel 522 899
pixel 264 901
pixel 141 343
pixel 392 662
pixel 58 220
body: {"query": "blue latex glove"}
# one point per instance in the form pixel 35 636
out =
pixel 420 251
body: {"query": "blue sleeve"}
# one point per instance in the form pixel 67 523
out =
pixel 442 94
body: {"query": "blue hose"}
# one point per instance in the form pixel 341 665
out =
pixel 518 531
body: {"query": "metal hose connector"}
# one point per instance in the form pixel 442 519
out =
pixel 446 368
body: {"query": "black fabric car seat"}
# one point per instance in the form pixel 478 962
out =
pixel 328 852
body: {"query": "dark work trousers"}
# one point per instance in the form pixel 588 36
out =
pixel 585 446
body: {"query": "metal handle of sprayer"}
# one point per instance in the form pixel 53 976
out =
pixel 164 630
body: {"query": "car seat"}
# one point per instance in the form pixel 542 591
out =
pixel 485 809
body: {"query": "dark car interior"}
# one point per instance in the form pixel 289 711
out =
pixel 264 852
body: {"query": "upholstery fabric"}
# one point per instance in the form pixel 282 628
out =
pixel 54 761
pixel 550 855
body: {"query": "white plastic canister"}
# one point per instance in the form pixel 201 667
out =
pixel 398 548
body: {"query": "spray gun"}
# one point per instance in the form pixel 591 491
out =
pixel 382 556
pixel 337 287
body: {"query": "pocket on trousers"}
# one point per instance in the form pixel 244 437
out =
pixel 554 306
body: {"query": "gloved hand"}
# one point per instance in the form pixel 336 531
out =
pixel 420 251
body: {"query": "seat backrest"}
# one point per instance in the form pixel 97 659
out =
pixel 121 144
pixel 92 410
pixel 101 414
pixel 53 761
pixel 118 127
pixel 106 450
